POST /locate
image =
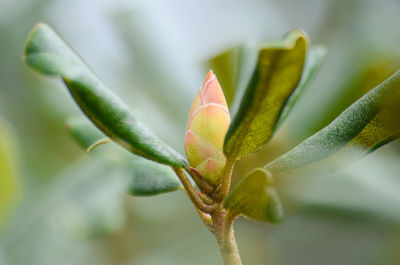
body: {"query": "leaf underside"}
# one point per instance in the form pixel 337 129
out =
pixel 367 124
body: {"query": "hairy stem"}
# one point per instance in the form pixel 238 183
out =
pixel 217 219
pixel 207 220
pixel 223 231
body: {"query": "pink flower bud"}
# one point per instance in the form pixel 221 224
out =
pixel 206 128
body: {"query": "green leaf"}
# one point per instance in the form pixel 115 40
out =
pixel 47 53
pixel 256 197
pixel 369 123
pixel 83 131
pixel 362 71
pixel 275 77
pixel 314 58
pixel 9 187
pixel 149 178
pixel 235 66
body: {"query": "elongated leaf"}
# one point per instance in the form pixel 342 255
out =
pixel 9 188
pixel 256 197
pixel 149 178
pixel 47 53
pixel 369 123
pixel 83 131
pixel 277 74
pixel 235 66
pixel 315 56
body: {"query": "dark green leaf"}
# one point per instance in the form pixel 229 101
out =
pixel 370 122
pixel 149 178
pixel 256 197
pixel 275 77
pixel 47 53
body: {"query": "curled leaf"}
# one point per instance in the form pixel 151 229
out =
pixel 276 75
pixel 314 58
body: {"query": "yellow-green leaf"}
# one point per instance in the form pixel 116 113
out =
pixel 9 187
pixel 256 197
pixel 275 77
pixel 367 124
pixel 314 58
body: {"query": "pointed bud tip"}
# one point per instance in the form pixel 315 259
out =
pixel 207 124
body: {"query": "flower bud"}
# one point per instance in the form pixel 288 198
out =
pixel 206 128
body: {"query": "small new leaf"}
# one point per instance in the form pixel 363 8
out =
pixel 256 198
pixel 366 125
pixel 48 54
pixel 276 75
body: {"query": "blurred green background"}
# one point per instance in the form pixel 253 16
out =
pixel 60 205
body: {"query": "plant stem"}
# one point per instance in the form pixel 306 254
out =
pixel 223 188
pixel 217 219
pixel 191 191
pixel 223 231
